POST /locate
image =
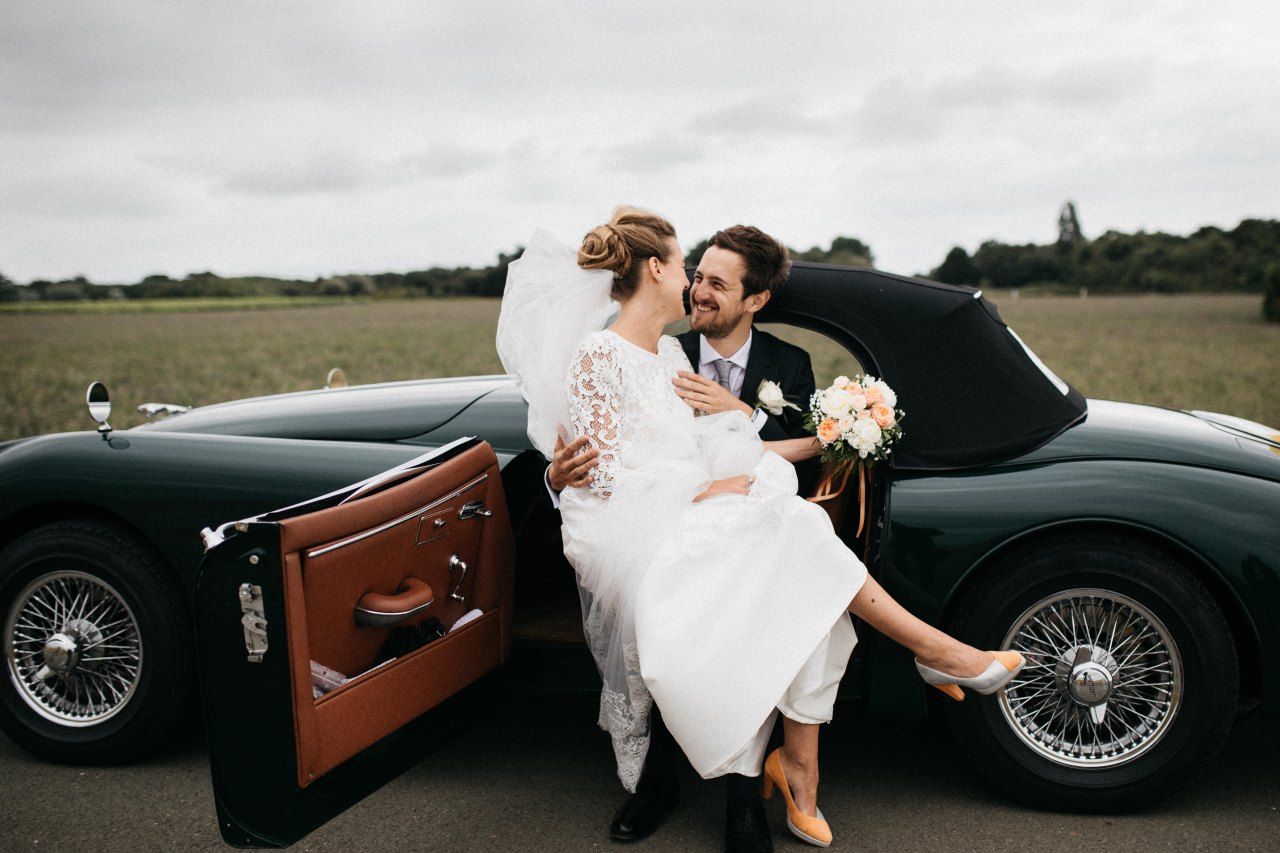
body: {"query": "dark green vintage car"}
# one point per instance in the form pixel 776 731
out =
pixel 1130 552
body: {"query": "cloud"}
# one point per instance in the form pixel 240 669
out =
pixel 654 154
pixel 152 135
pixel 766 115
pixel 344 172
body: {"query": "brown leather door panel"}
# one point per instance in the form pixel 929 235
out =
pixel 413 528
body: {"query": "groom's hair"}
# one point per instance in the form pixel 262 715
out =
pixel 768 263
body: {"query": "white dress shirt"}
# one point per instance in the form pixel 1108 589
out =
pixel 707 357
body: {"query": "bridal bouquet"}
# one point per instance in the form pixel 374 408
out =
pixel 855 422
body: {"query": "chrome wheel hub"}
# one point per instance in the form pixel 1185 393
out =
pixel 60 653
pixel 72 648
pixel 1088 679
pixel 1102 683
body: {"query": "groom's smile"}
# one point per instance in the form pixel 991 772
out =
pixel 716 298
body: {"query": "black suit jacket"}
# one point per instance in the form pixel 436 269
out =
pixel 776 360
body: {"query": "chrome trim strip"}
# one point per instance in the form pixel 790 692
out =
pixel 417 513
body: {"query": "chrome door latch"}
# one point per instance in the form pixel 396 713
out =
pixel 474 508
pixel 254 622
pixel 456 563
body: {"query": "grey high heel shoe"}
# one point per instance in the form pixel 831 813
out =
pixel 1001 671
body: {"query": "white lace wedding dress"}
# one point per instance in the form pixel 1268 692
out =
pixel 720 610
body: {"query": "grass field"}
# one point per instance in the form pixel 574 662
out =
pixel 99 307
pixel 1202 351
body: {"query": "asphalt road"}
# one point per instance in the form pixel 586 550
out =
pixel 539 776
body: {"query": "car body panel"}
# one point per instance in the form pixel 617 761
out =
pixel 391 411
pixel 1116 430
pixel 167 486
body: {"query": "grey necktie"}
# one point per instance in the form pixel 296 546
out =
pixel 722 366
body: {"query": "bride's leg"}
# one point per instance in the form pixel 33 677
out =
pixel 800 763
pixel 932 647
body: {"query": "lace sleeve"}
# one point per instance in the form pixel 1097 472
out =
pixel 594 381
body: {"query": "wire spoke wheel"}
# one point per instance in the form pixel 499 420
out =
pixel 1103 681
pixel 73 648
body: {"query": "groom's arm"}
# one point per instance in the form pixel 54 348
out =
pixel 570 467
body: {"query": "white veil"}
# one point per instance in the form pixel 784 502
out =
pixel 550 304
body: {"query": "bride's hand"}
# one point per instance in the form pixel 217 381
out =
pixel 739 485
pixel 706 396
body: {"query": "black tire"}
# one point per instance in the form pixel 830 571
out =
pixel 1156 646
pixel 98 649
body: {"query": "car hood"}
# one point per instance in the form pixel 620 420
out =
pixel 390 411
pixel 1131 431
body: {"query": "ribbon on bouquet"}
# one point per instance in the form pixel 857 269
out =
pixel 834 480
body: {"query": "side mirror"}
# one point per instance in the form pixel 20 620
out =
pixel 99 406
pixel 336 379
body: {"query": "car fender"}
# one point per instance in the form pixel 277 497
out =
pixel 946 529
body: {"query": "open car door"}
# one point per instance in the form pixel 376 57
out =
pixel 329 631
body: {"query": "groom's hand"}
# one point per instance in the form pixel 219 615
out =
pixel 571 465
pixel 706 395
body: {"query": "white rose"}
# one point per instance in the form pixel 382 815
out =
pixel 769 397
pixel 866 431
pixel 841 381
pixel 836 403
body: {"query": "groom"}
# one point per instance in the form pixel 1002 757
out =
pixel 737 275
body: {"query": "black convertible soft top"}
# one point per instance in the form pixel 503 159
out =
pixel 972 392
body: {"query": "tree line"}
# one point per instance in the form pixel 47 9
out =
pixel 1245 259
pixel 1210 259
pixel 436 281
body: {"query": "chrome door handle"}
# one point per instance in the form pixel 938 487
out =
pixel 456 563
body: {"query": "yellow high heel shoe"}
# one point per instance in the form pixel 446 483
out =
pixel 811 829
pixel 1001 671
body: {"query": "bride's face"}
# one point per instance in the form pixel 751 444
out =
pixel 674 282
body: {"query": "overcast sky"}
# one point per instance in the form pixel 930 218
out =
pixel 313 138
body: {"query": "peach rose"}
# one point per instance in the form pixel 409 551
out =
pixel 874 395
pixel 828 431
pixel 882 414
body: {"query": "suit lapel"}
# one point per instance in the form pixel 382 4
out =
pixel 761 365
pixel 691 343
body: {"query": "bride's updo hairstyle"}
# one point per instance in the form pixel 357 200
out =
pixel 623 244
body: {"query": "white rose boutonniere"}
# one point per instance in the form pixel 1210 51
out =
pixel 769 397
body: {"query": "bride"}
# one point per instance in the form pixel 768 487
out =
pixel 708 587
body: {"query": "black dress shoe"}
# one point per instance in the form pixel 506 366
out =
pixel 657 793
pixel 746 827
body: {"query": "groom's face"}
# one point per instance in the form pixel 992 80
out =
pixel 716 301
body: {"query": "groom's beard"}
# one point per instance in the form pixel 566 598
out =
pixel 716 324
